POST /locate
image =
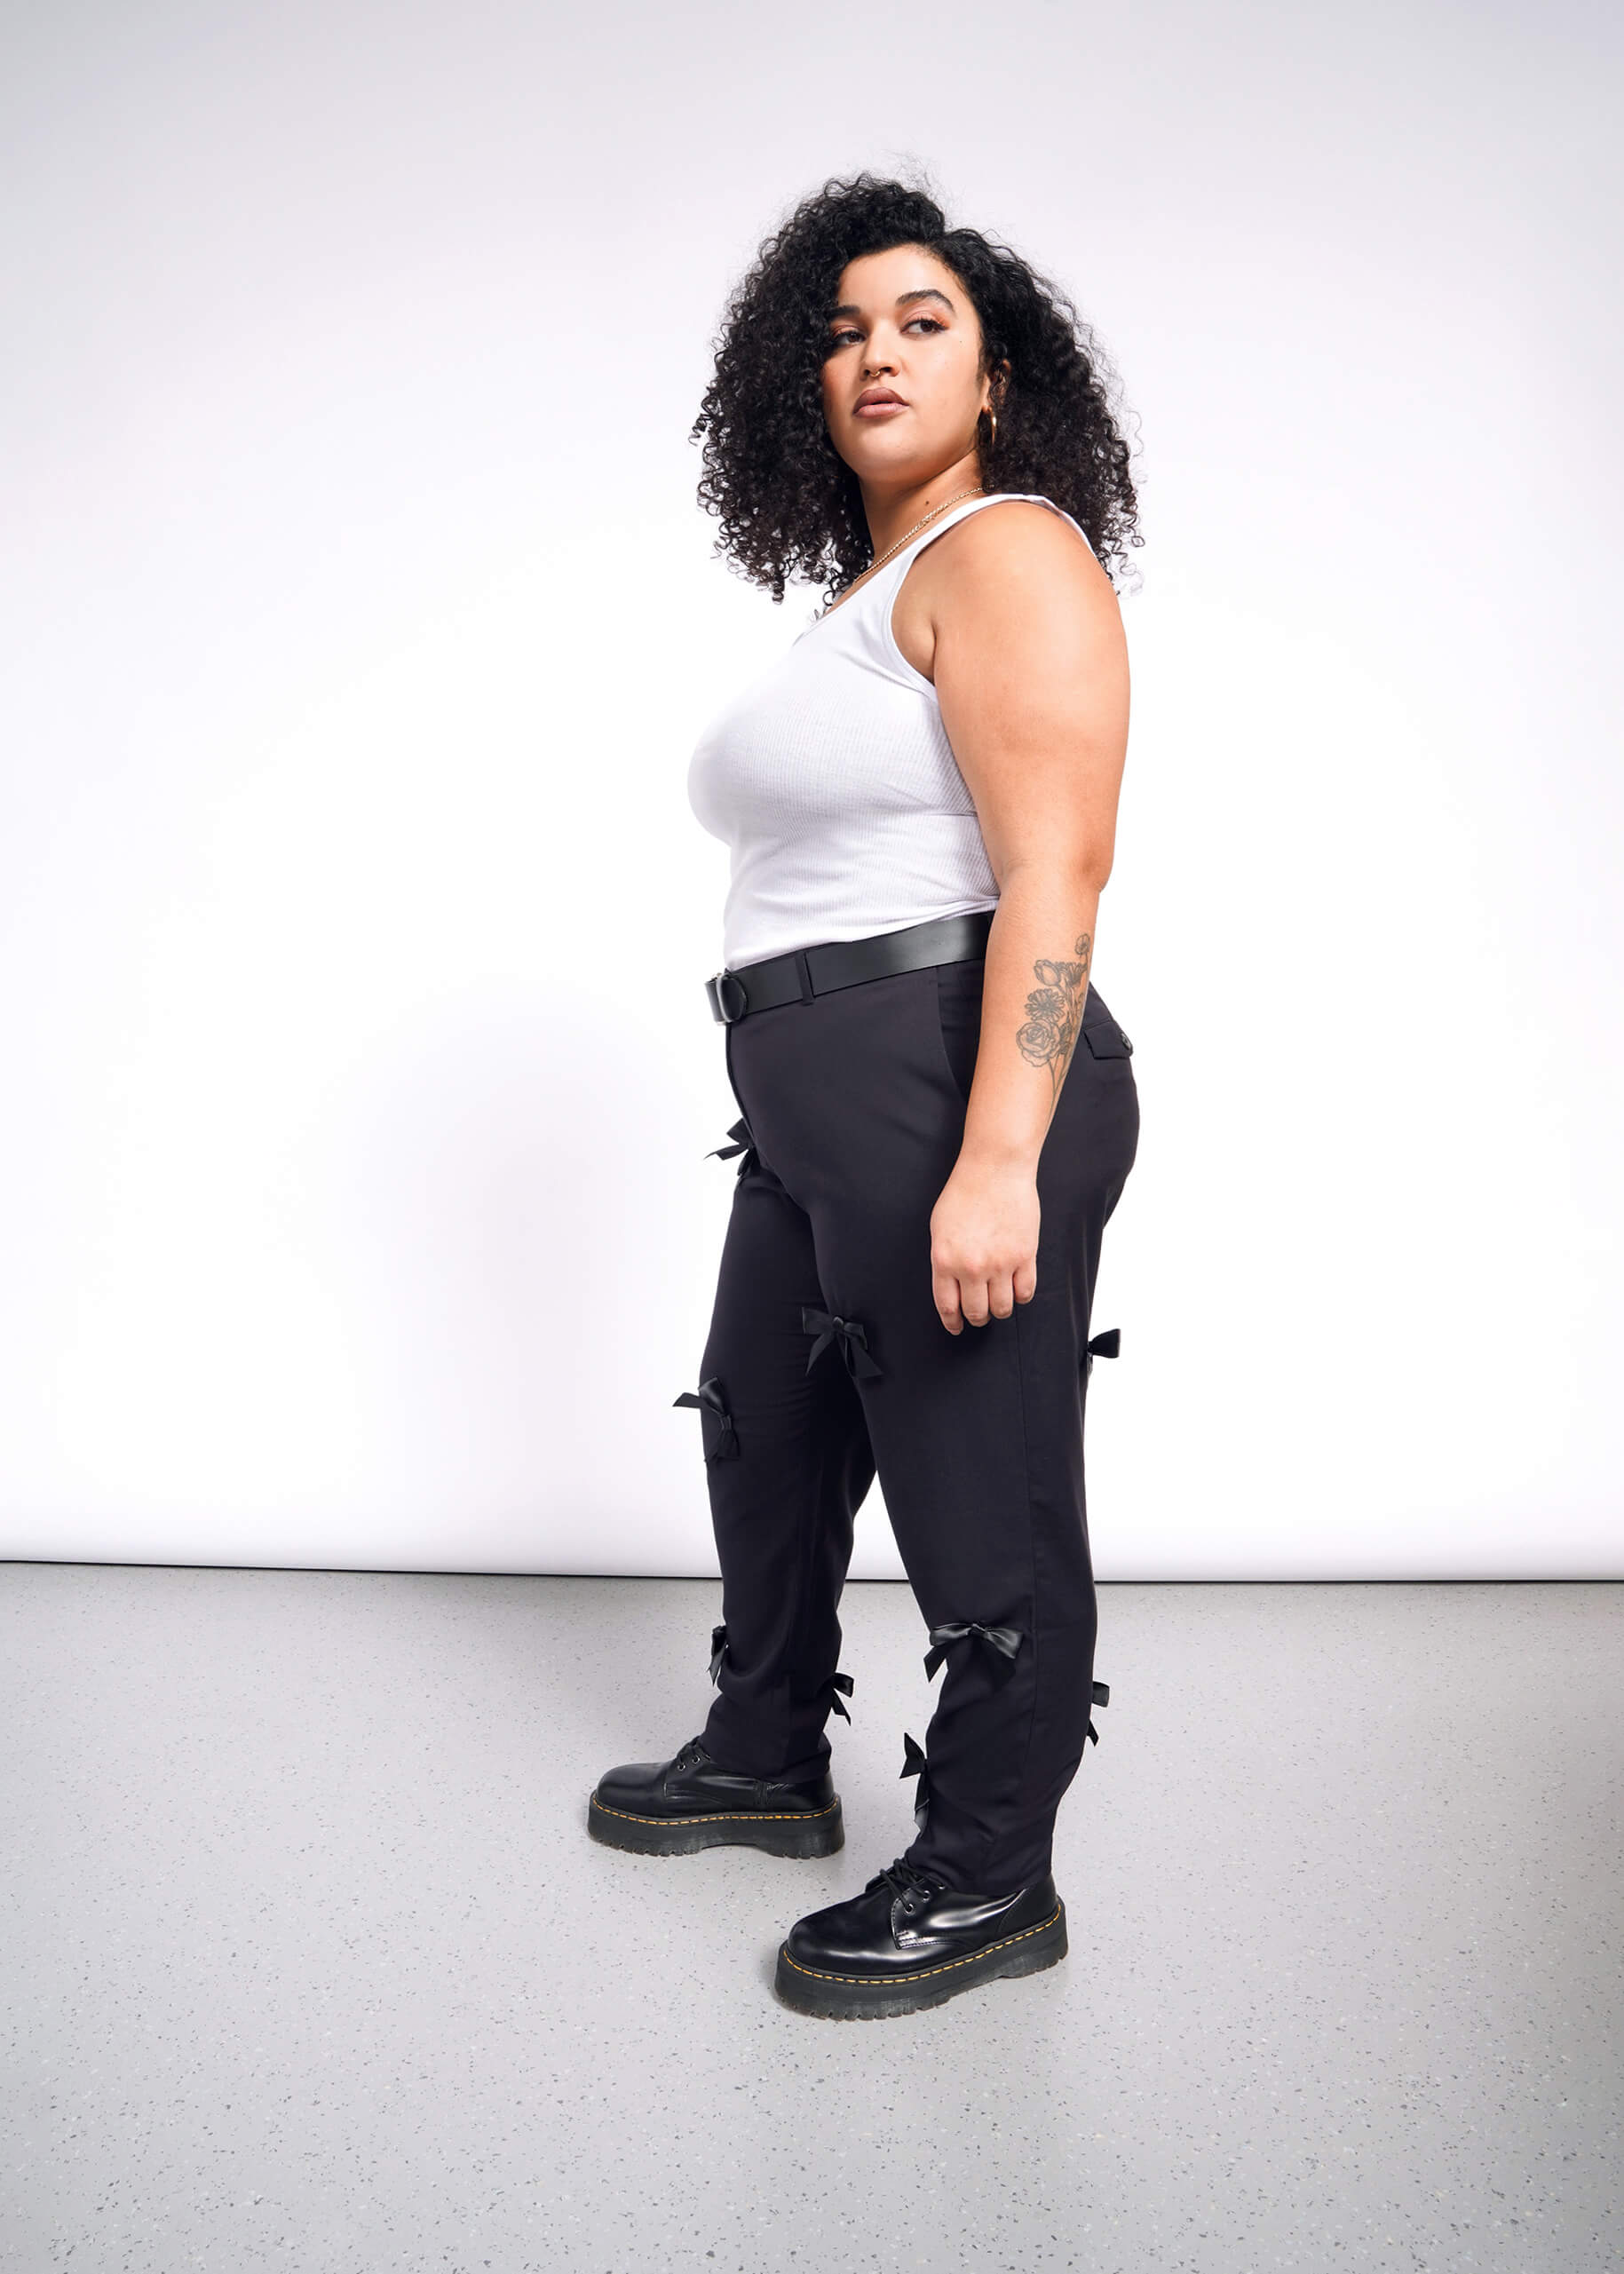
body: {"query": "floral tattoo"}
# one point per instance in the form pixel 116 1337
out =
pixel 1054 1013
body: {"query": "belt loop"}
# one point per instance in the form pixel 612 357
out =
pixel 804 969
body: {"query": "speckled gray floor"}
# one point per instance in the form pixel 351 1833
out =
pixel 311 1964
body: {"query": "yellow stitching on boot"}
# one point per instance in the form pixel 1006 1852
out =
pixel 725 1816
pixel 891 1981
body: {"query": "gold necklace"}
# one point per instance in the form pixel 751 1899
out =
pixel 979 490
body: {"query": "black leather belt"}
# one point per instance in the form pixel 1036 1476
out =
pixel 806 972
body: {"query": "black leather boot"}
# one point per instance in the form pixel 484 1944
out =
pixel 673 1808
pixel 907 1942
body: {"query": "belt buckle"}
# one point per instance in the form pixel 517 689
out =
pixel 715 987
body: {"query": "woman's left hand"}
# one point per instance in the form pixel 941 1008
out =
pixel 984 1242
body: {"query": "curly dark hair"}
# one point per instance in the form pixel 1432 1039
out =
pixel 788 504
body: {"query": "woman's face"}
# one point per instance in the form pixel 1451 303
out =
pixel 902 385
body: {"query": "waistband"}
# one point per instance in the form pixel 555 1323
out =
pixel 808 972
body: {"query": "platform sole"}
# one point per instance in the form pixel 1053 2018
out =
pixel 799 1834
pixel 852 1997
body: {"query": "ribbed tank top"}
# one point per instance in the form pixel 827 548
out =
pixel 832 779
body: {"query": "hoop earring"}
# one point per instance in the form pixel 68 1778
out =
pixel 993 438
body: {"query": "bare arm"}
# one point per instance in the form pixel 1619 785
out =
pixel 1031 671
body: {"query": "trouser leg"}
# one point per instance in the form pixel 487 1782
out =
pixel 787 1473
pixel 978 1441
pixel 977 1437
pixel 1008 1733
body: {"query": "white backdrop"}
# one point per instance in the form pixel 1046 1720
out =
pixel 357 1075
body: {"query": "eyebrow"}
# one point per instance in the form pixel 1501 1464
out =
pixel 926 292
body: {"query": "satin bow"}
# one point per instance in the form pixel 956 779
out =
pixel 1106 1345
pixel 852 1336
pixel 914 1765
pixel 839 1683
pixel 1101 1696
pixel 1004 1642
pixel 708 1398
pixel 743 1143
pixel 718 1651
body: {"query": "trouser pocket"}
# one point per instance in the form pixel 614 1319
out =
pixel 959 988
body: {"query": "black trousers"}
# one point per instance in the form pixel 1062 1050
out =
pixel 827 1359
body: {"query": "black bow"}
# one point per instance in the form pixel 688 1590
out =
pixel 709 1399
pixel 914 1765
pixel 743 1143
pixel 718 1651
pixel 852 1336
pixel 838 1683
pixel 1004 1642
pixel 1106 1345
pixel 1101 1697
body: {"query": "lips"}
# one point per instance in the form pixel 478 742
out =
pixel 880 399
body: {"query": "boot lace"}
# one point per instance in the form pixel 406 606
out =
pixel 912 1886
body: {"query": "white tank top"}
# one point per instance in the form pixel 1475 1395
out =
pixel 832 779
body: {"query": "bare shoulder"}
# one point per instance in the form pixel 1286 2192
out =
pixel 1017 557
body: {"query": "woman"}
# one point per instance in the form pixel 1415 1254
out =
pixel 939 1112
